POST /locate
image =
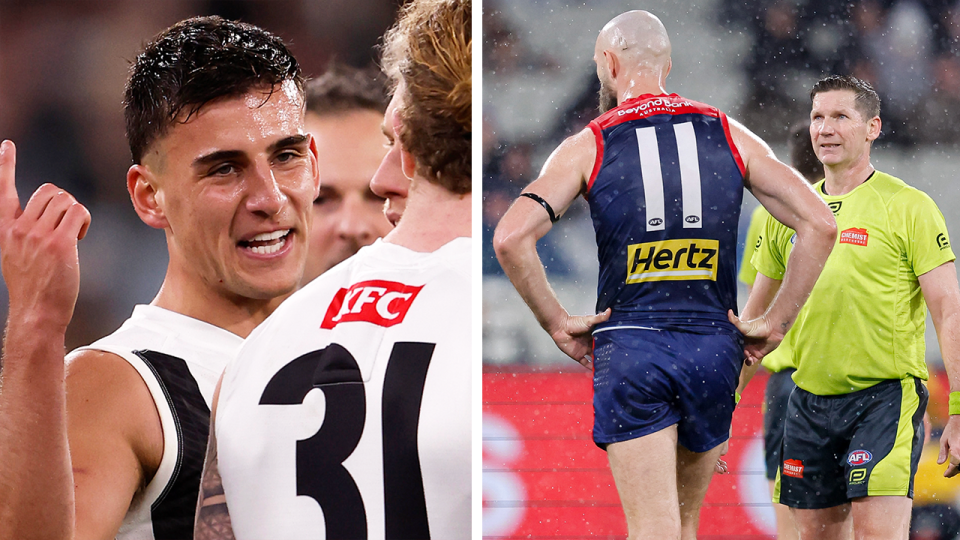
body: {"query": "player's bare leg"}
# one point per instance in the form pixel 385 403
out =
pixel 694 471
pixel 882 517
pixel 834 523
pixel 786 528
pixel 643 469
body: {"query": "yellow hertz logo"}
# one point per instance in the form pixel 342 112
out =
pixel 672 260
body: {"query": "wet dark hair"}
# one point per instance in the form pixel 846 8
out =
pixel 867 100
pixel 802 156
pixel 194 62
pixel 344 88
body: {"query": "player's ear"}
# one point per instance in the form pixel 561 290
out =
pixel 408 163
pixel 146 197
pixel 315 166
pixel 613 63
pixel 873 128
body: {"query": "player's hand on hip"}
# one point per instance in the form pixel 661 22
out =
pixel 38 246
pixel 758 337
pixel 574 336
pixel 950 447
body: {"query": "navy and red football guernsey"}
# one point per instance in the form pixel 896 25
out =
pixel 665 196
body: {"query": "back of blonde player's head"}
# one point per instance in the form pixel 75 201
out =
pixel 427 56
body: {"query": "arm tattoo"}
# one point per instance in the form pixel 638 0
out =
pixel 213 517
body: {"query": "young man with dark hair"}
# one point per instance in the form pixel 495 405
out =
pixel 664 177
pixel 852 436
pixel 112 444
pixel 347 414
pixel 344 111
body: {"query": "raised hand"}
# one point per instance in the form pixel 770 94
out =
pixel 38 247
pixel 574 337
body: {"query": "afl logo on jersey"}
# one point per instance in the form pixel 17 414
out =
pixel 383 303
pixel 655 222
pixel 835 206
pixel 859 457
pixel 692 219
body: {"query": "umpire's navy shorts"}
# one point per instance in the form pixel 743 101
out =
pixel 647 379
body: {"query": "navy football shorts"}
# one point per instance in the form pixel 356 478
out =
pixel 647 380
pixel 838 448
pixel 779 386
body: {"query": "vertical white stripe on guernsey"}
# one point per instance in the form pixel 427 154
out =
pixel 652 177
pixel 689 175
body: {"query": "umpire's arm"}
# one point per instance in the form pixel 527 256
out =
pixel 942 294
pixel 563 178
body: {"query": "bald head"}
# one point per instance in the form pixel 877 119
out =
pixel 633 47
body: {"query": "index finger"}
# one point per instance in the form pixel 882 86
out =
pixel 9 200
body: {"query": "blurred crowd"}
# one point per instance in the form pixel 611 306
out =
pixel 908 49
pixel 63 64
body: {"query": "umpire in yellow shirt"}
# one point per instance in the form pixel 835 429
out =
pixel 853 432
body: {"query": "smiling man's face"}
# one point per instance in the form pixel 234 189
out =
pixel 234 186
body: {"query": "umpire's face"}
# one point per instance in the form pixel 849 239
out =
pixel 840 134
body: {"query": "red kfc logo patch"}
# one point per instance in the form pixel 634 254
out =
pixel 384 303
pixel 855 236
pixel 793 467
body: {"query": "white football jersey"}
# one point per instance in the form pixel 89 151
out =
pixel 347 412
pixel 180 360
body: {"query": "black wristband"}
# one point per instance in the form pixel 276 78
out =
pixel 546 206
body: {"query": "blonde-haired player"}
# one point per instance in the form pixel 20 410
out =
pixel 347 413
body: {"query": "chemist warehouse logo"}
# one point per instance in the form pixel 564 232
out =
pixel 855 236
pixel 793 467
pixel 384 303
pixel 672 260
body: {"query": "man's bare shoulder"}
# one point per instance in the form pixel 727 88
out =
pixel 574 159
pixel 749 144
pixel 583 142
pixel 108 399
pixel 98 366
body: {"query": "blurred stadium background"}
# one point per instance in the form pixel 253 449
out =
pixel 756 60
pixel 63 64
